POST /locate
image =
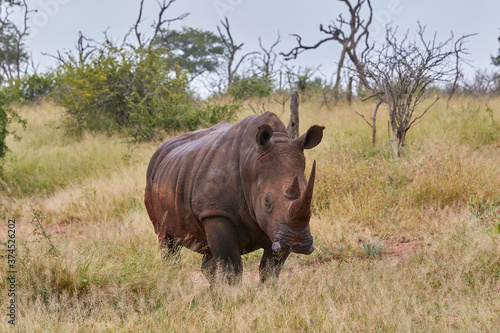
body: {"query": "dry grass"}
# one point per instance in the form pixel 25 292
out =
pixel 402 245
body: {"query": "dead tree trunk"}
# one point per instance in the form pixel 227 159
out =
pixel 293 125
pixel 349 91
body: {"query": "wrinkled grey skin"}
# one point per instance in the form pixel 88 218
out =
pixel 230 190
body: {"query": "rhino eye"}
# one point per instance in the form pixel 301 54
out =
pixel 268 202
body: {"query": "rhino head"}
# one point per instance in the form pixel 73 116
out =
pixel 281 194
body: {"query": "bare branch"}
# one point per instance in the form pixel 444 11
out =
pixel 373 125
pixel 59 57
pixel 84 47
pixel 423 113
pixel 366 121
pixel 251 107
pixel 301 47
pixel 136 26
pixel 232 48
pixel 157 25
pixel 347 32
pixel 269 56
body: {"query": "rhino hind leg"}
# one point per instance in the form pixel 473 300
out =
pixel 271 264
pixel 224 258
pixel 168 245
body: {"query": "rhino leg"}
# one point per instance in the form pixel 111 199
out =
pixel 271 264
pixel 225 252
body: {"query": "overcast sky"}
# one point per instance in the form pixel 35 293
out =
pixel 56 23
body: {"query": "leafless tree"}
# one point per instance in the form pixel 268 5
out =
pixel 400 74
pixel 268 58
pixel 348 32
pixel 483 83
pixel 84 46
pixel 164 5
pixel 281 95
pixel 232 49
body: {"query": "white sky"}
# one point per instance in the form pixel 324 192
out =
pixel 56 23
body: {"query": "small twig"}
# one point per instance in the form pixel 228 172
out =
pixel 251 107
pixel 366 121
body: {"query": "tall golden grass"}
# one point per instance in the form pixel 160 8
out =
pixel 409 244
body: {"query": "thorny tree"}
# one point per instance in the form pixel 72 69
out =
pixel 400 73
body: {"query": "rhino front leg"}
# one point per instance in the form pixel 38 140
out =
pixel 225 251
pixel 271 264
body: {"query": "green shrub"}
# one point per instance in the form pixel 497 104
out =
pixel 213 112
pixel 138 91
pixel 7 115
pixel 253 86
pixel 4 121
pixel 30 88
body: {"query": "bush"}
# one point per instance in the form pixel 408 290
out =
pixel 139 92
pixel 252 86
pixel 213 113
pixel 31 88
pixel 7 115
pixel 136 91
pixel 4 121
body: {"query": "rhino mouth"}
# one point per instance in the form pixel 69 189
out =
pixel 302 245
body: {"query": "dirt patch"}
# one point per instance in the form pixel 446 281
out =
pixel 402 247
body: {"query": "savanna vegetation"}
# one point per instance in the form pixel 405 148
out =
pixel 411 243
pixel 406 239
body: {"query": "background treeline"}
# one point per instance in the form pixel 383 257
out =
pixel 150 82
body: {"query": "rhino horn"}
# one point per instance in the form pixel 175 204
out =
pixel 293 192
pixel 299 212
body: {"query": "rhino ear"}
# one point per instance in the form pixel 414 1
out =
pixel 311 138
pixel 264 135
